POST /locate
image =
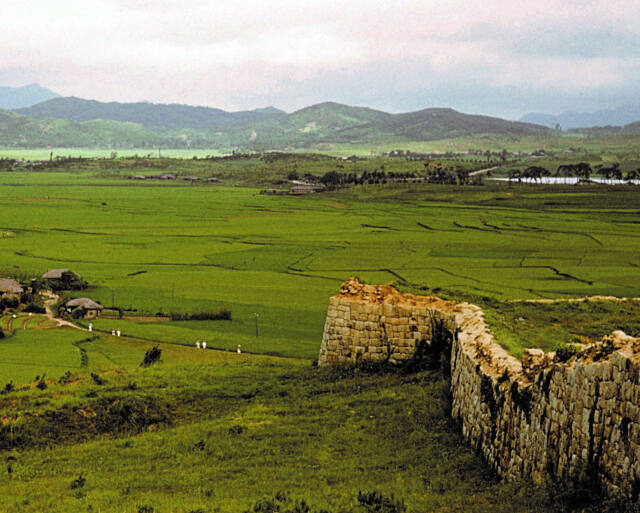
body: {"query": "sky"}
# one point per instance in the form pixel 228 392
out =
pixel 497 57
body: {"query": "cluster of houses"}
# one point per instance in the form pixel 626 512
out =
pixel 82 307
pixel 169 177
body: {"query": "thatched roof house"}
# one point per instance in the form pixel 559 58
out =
pixel 85 307
pixel 56 274
pixel 83 302
pixel 10 286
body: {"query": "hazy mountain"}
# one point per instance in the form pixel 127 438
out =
pixel 160 118
pixel 629 129
pixel 17 97
pixel 571 119
pixel 184 126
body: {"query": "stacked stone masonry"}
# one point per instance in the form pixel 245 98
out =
pixel 541 419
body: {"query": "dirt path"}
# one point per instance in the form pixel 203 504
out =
pixel 49 312
pixel 482 171
pixel 612 299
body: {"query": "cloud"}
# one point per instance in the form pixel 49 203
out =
pixel 395 53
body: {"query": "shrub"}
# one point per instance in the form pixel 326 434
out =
pixel 376 502
pixel 9 387
pixel 67 377
pixel 97 379
pixel 34 307
pixel 567 352
pixel 9 302
pixel 42 384
pixel 151 356
pixel 79 482
pixel 222 315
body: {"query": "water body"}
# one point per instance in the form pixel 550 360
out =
pixel 565 180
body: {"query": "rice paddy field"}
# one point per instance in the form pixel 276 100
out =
pixel 273 261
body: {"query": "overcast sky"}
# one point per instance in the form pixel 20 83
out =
pixel 497 57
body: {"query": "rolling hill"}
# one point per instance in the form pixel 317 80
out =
pixel 184 126
pixel 17 131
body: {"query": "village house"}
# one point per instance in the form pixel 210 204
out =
pixel 63 279
pixel 57 274
pixel 83 307
pixel 10 287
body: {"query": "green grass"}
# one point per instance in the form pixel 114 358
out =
pixel 169 247
pixel 233 431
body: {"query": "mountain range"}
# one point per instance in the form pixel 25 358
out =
pixel 619 116
pixel 77 122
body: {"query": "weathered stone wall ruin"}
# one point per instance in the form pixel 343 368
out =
pixel 366 322
pixel 538 419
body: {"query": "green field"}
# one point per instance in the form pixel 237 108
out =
pixel 159 248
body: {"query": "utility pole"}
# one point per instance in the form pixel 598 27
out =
pixel 256 318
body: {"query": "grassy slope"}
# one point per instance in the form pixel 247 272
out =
pixel 227 431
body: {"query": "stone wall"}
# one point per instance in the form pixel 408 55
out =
pixel 366 322
pixel 539 419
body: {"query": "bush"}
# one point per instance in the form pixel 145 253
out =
pixel 34 307
pixel 1 333
pixel 42 384
pixel 9 387
pixel 97 379
pixel 567 352
pixel 67 377
pixel 222 315
pixel 376 502
pixel 78 483
pixel 9 302
pixel 151 356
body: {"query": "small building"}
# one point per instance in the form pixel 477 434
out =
pixel 138 177
pixel 167 177
pixel 213 179
pixel 191 178
pixel 83 307
pixel 305 189
pixel 10 287
pixel 57 274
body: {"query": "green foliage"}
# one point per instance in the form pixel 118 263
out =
pixel 151 356
pixel 376 502
pixel 567 352
pixel 97 379
pixel 222 315
pixel 34 308
pixel 79 482
pixel 41 383
pixel 8 388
